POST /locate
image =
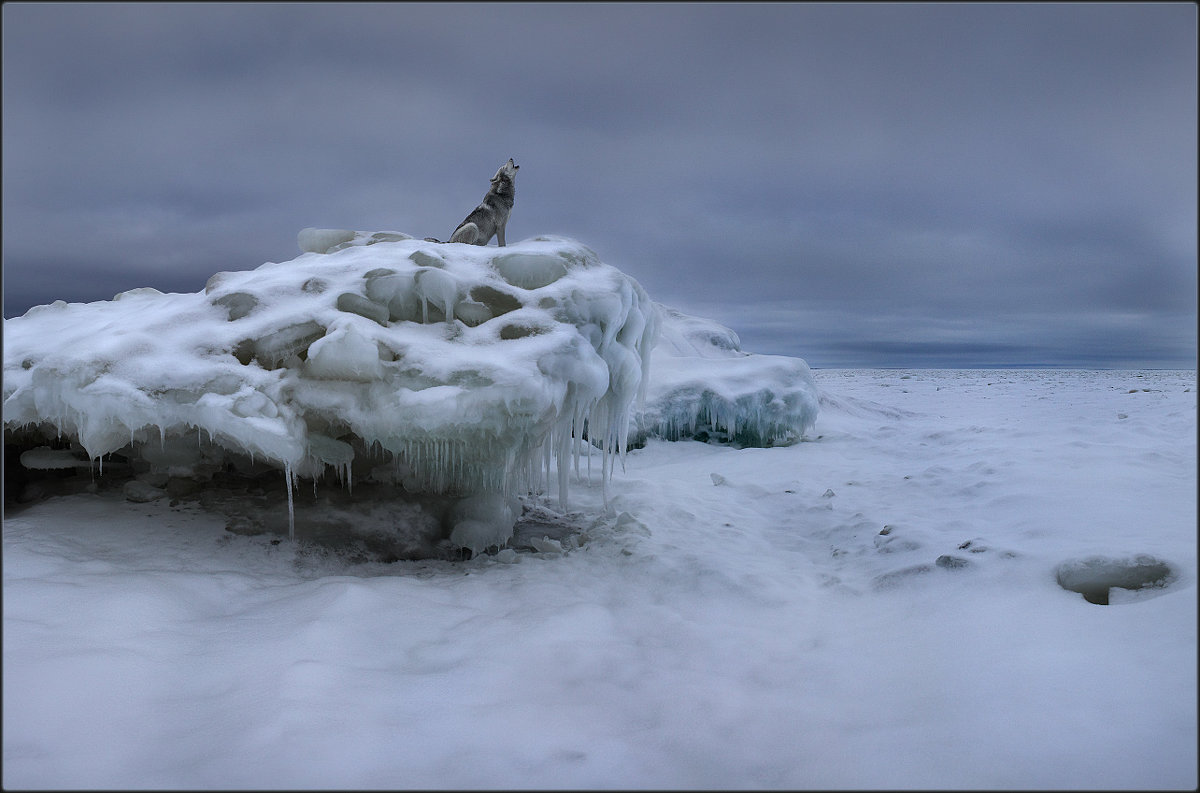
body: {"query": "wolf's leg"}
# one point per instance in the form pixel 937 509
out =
pixel 467 232
pixel 500 235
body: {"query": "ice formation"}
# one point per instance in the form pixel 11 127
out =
pixel 706 387
pixel 471 373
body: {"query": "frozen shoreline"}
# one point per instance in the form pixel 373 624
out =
pixel 735 618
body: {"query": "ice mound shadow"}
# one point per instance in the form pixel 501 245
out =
pixel 379 525
pixel 1094 576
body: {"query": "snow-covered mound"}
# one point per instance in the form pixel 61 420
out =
pixel 705 386
pixel 461 369
pixel 412 368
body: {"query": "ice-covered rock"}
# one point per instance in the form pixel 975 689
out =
pixel 470 372
pixel 705 386
pixel 464 372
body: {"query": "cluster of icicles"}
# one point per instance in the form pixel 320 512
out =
pixel 457 466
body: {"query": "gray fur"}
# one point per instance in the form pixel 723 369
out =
pixel 491 216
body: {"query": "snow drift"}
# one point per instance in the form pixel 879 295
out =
pixel 463 371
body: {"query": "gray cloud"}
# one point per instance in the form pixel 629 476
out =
pixel 885 184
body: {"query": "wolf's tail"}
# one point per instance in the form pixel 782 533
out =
pixel 431 239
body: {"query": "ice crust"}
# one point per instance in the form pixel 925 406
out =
pixel 461 370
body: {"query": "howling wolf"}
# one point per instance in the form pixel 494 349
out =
pixel 489 218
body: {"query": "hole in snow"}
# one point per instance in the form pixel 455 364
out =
pixel 1095 576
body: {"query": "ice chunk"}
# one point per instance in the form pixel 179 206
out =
pixel 275 349
pixel 529 271
pixel 396 291
pixel 481 521
pixel 438 288
pixel 472 313
pixel 144 291
pixel 383 284
pixel 386 236
pixel 46 459
pixel 424 258
pixel 706 387
pixel 546 545
pixel 254 403
pixel 333 240
pixel 357 304
pixel 321 240
pixel 344 353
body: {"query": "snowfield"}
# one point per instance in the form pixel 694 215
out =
pixel 735 618
pixel 310 528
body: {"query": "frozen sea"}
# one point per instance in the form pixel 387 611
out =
pixel 873 607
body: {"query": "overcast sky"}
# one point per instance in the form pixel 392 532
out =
pixel 857 185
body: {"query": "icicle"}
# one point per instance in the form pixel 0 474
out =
pixel 287 472
pixel 547 453
pixel 564 466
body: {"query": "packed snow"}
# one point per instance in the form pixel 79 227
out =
pixel 967 579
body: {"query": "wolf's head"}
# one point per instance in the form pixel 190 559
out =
pixel 507 171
